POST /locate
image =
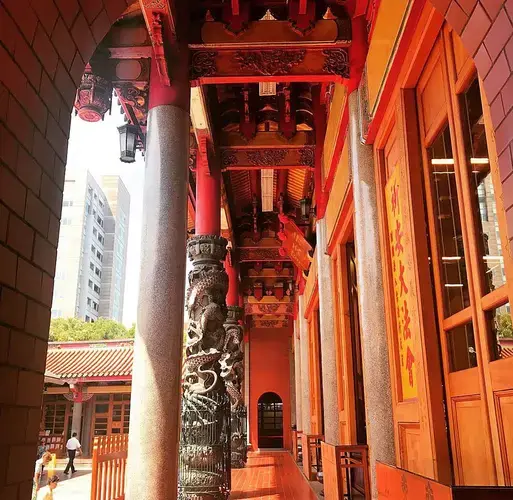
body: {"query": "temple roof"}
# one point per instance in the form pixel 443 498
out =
pixel 90 361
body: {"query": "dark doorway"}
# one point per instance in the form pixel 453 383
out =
pixel 361 431
pixel 270 421
pixel 357 479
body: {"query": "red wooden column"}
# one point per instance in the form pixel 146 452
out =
pixel 208 194
pixel 231 268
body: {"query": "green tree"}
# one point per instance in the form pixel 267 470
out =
pixel 67 329
pixel 131 331
pixel 73 329
pixel 504 326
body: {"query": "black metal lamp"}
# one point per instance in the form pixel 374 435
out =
pixel 127 142
pixel 305 205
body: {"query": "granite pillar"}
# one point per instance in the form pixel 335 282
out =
pixel 376 370
pixel 85 439
pixel 76 419
pixel 305 365
pixel 157 368
pixel 327 335
pixel 292 379
pixel 246 385
pixel 297 370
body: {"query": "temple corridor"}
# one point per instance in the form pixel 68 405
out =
pixel 326 260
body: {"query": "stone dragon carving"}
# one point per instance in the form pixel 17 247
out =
pixel 232 360
pixel 232 371
pixel 204 444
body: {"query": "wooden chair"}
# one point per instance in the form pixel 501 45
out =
pixel 310 445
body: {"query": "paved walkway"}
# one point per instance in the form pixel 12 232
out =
pixel 77 486
pixel 267 475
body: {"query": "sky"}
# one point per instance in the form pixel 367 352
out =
pixel 95 146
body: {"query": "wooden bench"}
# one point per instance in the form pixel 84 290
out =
pixel 339 462
pixel 311 444
pixel 296 444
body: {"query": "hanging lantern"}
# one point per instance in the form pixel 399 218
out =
pixel 127 142
pixel 305 205
pixel 94 96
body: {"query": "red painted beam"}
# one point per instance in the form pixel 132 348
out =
pixel 319 111
pixel 311 78
pixel 266 167
pixel 137 52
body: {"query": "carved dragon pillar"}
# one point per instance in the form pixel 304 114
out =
pixel 204 451
pixel 205 434
pixel 232 370
pixel 232 365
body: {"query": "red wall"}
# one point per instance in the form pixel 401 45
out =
pixel 269 372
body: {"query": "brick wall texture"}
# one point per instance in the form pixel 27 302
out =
pixel 43 48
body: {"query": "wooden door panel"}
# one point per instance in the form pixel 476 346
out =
pixel 501 373
pixel 504 405
pixel 410 443
pixel 474 464
pixel 464 382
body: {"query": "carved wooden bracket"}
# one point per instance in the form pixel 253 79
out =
pixel 160 21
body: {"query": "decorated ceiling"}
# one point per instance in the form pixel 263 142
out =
pixel 262 76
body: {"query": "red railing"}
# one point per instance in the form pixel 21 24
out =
pixel 109 467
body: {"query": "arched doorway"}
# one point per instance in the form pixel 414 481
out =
pixel 270 421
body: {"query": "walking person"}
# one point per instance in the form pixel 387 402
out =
pixel 46 493
pixel 73 445
pixel 41 463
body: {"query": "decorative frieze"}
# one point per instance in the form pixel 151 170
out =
pixel 276 308
pixel 228 62
pixel 336 62
pixel 203 63
pixel 268 62
pixel 269 157
pixel 260 254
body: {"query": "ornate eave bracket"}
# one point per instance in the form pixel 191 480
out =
pixel 160 21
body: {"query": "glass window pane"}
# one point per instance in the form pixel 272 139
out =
pixel 448 225
pixel 461 348
pixel 478 164
pixel 501 330
pixel 102 408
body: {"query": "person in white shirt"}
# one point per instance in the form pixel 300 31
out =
pixel 73 445
pixel 45 459
pixel 46 493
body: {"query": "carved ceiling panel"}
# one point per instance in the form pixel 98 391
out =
pixel 319 63
pixel 268 157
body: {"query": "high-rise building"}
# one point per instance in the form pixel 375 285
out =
pixel 116 215
pixel 91 257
